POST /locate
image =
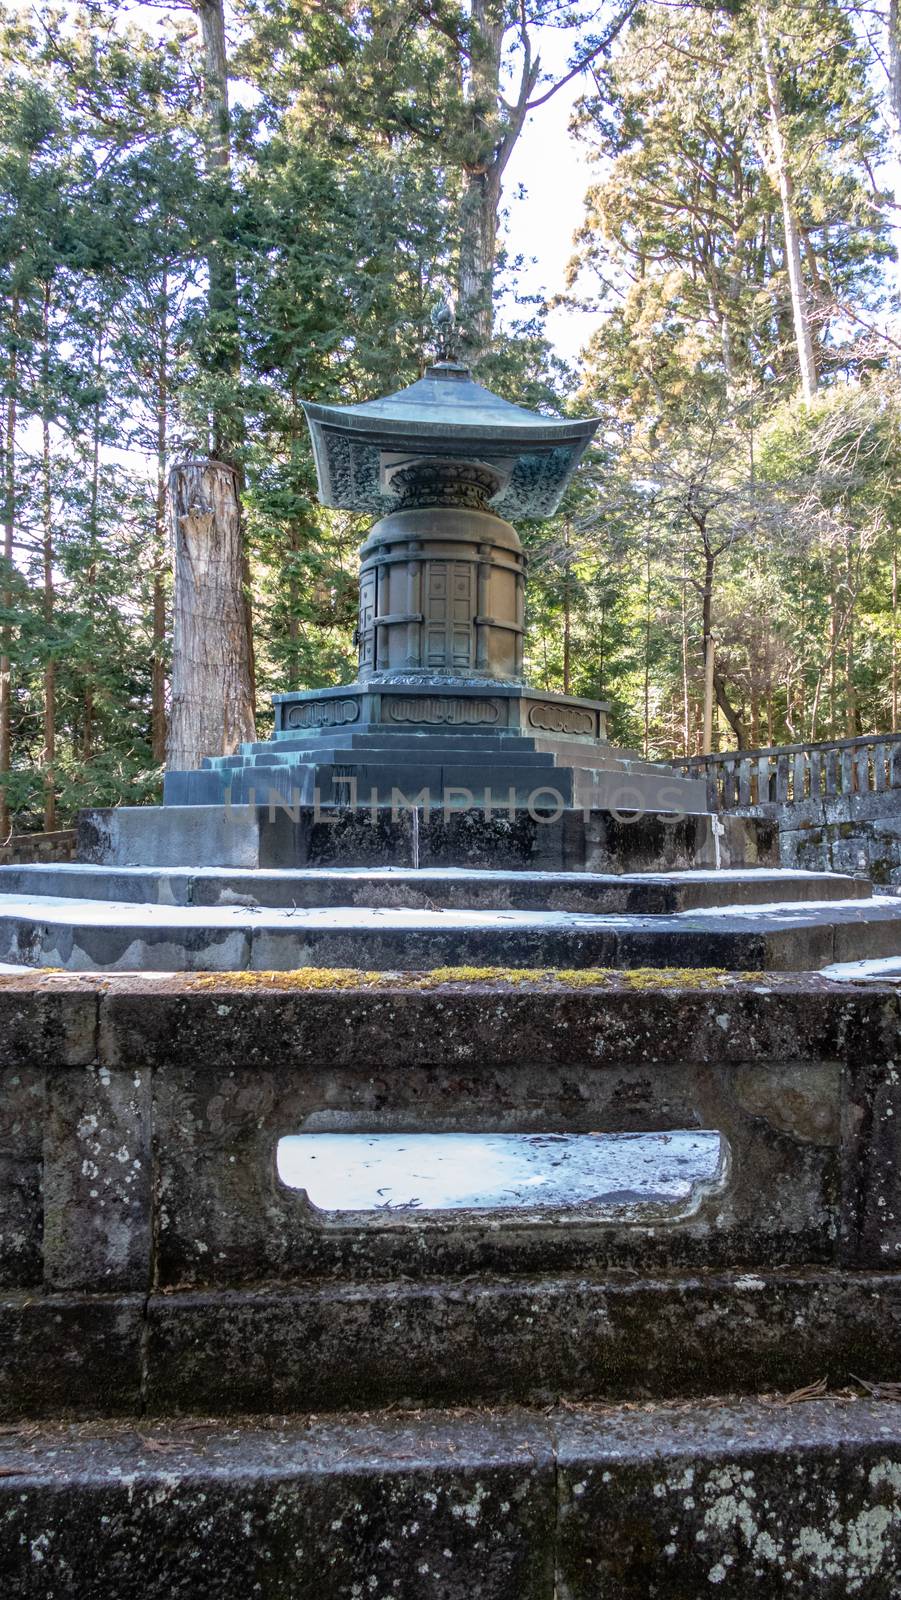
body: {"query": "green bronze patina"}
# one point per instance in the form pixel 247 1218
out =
pixel 446 414
pixel 443 463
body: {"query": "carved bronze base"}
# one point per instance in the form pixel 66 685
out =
pixel 411 701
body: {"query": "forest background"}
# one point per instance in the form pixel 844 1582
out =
pixel 207 217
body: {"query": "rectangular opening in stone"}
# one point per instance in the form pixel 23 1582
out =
pixel 606 1173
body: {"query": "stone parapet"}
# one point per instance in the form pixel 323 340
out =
pixel 138 1140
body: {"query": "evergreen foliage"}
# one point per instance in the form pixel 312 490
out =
pixel 718 503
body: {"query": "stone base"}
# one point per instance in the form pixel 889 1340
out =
pixel 584 1454
pixel 446 744
pixel 302 836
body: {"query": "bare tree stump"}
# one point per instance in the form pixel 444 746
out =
pixel 212 690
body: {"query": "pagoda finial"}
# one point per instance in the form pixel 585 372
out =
pixel 444 322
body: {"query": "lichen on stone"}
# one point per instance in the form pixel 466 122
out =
pixel 307 979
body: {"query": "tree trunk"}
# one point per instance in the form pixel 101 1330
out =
pixel 567 616
pixel 6 594
pixel 894 62
pixel 729 712
pixel 87 738
pixel 212 704
pixel 49 753
pixel 851 710
pixel 800 310
pixel 647 648
pixel 478 248
pixel 706 621
pixel 481 180
pixel 686 705
pixel 714 684
pixel 834 636
pixel 228 417
pixel 158 662
pixel 894 630
pixel 225 353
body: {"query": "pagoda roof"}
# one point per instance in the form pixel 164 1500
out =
pixel 446 413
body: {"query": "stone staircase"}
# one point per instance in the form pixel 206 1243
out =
pixel 177 919
pixel 514 768
pixel 681 1382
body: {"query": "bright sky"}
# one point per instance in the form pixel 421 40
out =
pixel 554 170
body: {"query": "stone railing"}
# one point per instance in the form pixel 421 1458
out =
pixel 789 773
pixel 24 848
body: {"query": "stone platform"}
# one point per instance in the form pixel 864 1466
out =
pixel 553 839
pixel 84 918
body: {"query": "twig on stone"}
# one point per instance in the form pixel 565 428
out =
pixel 810 1391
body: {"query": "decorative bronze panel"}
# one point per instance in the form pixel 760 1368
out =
pixel 367 619
pixel 438 709
pixel 563 719
pixel 323 714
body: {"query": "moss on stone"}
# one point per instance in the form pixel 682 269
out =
pixel 306 979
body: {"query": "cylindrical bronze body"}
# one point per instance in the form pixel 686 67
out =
pixel 441 595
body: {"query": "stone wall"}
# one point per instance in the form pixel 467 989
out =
pixel 856 833
pixel 25 848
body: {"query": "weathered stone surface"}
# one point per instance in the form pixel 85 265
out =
pixel 437 1508
pixel 348 1019
pixel 480 1340
pixel 98 1217
pixel 225 1216
pixel 841 833
pixel 83 934
pixel 650 894
pixel 530 1340
pixel 871 1138
pixel 651 1503
pixel 22 1114
pixel 173 836
pixel 292 835
pixel 70 1355
pixel 746 1501
pixel 234 1066
pixel 260 1064
pixel 42 1027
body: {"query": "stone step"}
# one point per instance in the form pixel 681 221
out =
pixel 538 784
pixel 343 740
pixel 746 1499
pixel 85 935
pixel 501 1340
pixel 357 1344
pixel 377 755
pixel 645 894
pixel 500 749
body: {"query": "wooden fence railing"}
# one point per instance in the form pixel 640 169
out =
pixel 24 848
pixel 784 773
